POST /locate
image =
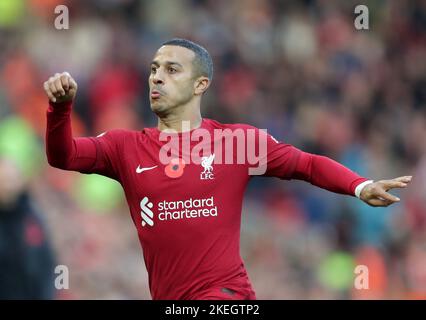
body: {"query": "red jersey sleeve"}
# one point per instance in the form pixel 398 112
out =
pixel 288 162
pixel 108 154
pixel 327 173
pixel 99 155
pixel 281 158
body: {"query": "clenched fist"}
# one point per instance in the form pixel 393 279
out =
pixel 61 88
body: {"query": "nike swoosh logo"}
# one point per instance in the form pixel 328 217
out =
pixel 140 170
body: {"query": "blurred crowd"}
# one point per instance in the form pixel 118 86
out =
pixel 299 69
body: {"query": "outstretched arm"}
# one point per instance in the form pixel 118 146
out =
pixel 333 176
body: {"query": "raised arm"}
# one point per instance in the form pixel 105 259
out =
pixel 62 150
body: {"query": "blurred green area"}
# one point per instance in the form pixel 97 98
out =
pixel 336 272
pixel 19 143
pixel 11 12
pixel 98 194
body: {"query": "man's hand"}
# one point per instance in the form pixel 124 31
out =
pixel 375 194
pixel 61 88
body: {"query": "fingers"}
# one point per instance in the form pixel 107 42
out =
pixel 72 83
pixel 49 92
pixel 405 179
pixel 59 86
pixel 400 182
pixel 379 190
pixel 52 86
pixel 382 199
pixel 390 184
pixel 387 196
pixel 378 203
pixel 65 80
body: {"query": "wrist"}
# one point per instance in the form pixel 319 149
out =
pixel 361 186
pixel 60 107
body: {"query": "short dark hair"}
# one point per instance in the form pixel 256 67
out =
pixel 203 61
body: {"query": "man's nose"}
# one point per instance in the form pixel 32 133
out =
pixel 158 78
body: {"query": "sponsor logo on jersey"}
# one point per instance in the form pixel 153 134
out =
pixel 177 210
pixel 140 169
pixel 146 213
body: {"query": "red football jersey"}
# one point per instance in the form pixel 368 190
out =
pixel 187 215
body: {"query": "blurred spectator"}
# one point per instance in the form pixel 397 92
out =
pixel 26 257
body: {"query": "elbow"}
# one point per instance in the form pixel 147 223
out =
pixel 57 162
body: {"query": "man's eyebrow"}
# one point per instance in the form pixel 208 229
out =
pixel 156 63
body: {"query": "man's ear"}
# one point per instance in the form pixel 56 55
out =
pixel 201 85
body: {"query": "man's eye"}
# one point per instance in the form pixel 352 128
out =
pixel 153 69
pixel 172 70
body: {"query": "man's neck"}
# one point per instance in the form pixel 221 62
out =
pixel 180 121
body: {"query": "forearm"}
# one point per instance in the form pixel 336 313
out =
pixel 62 150
pixel 326 173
